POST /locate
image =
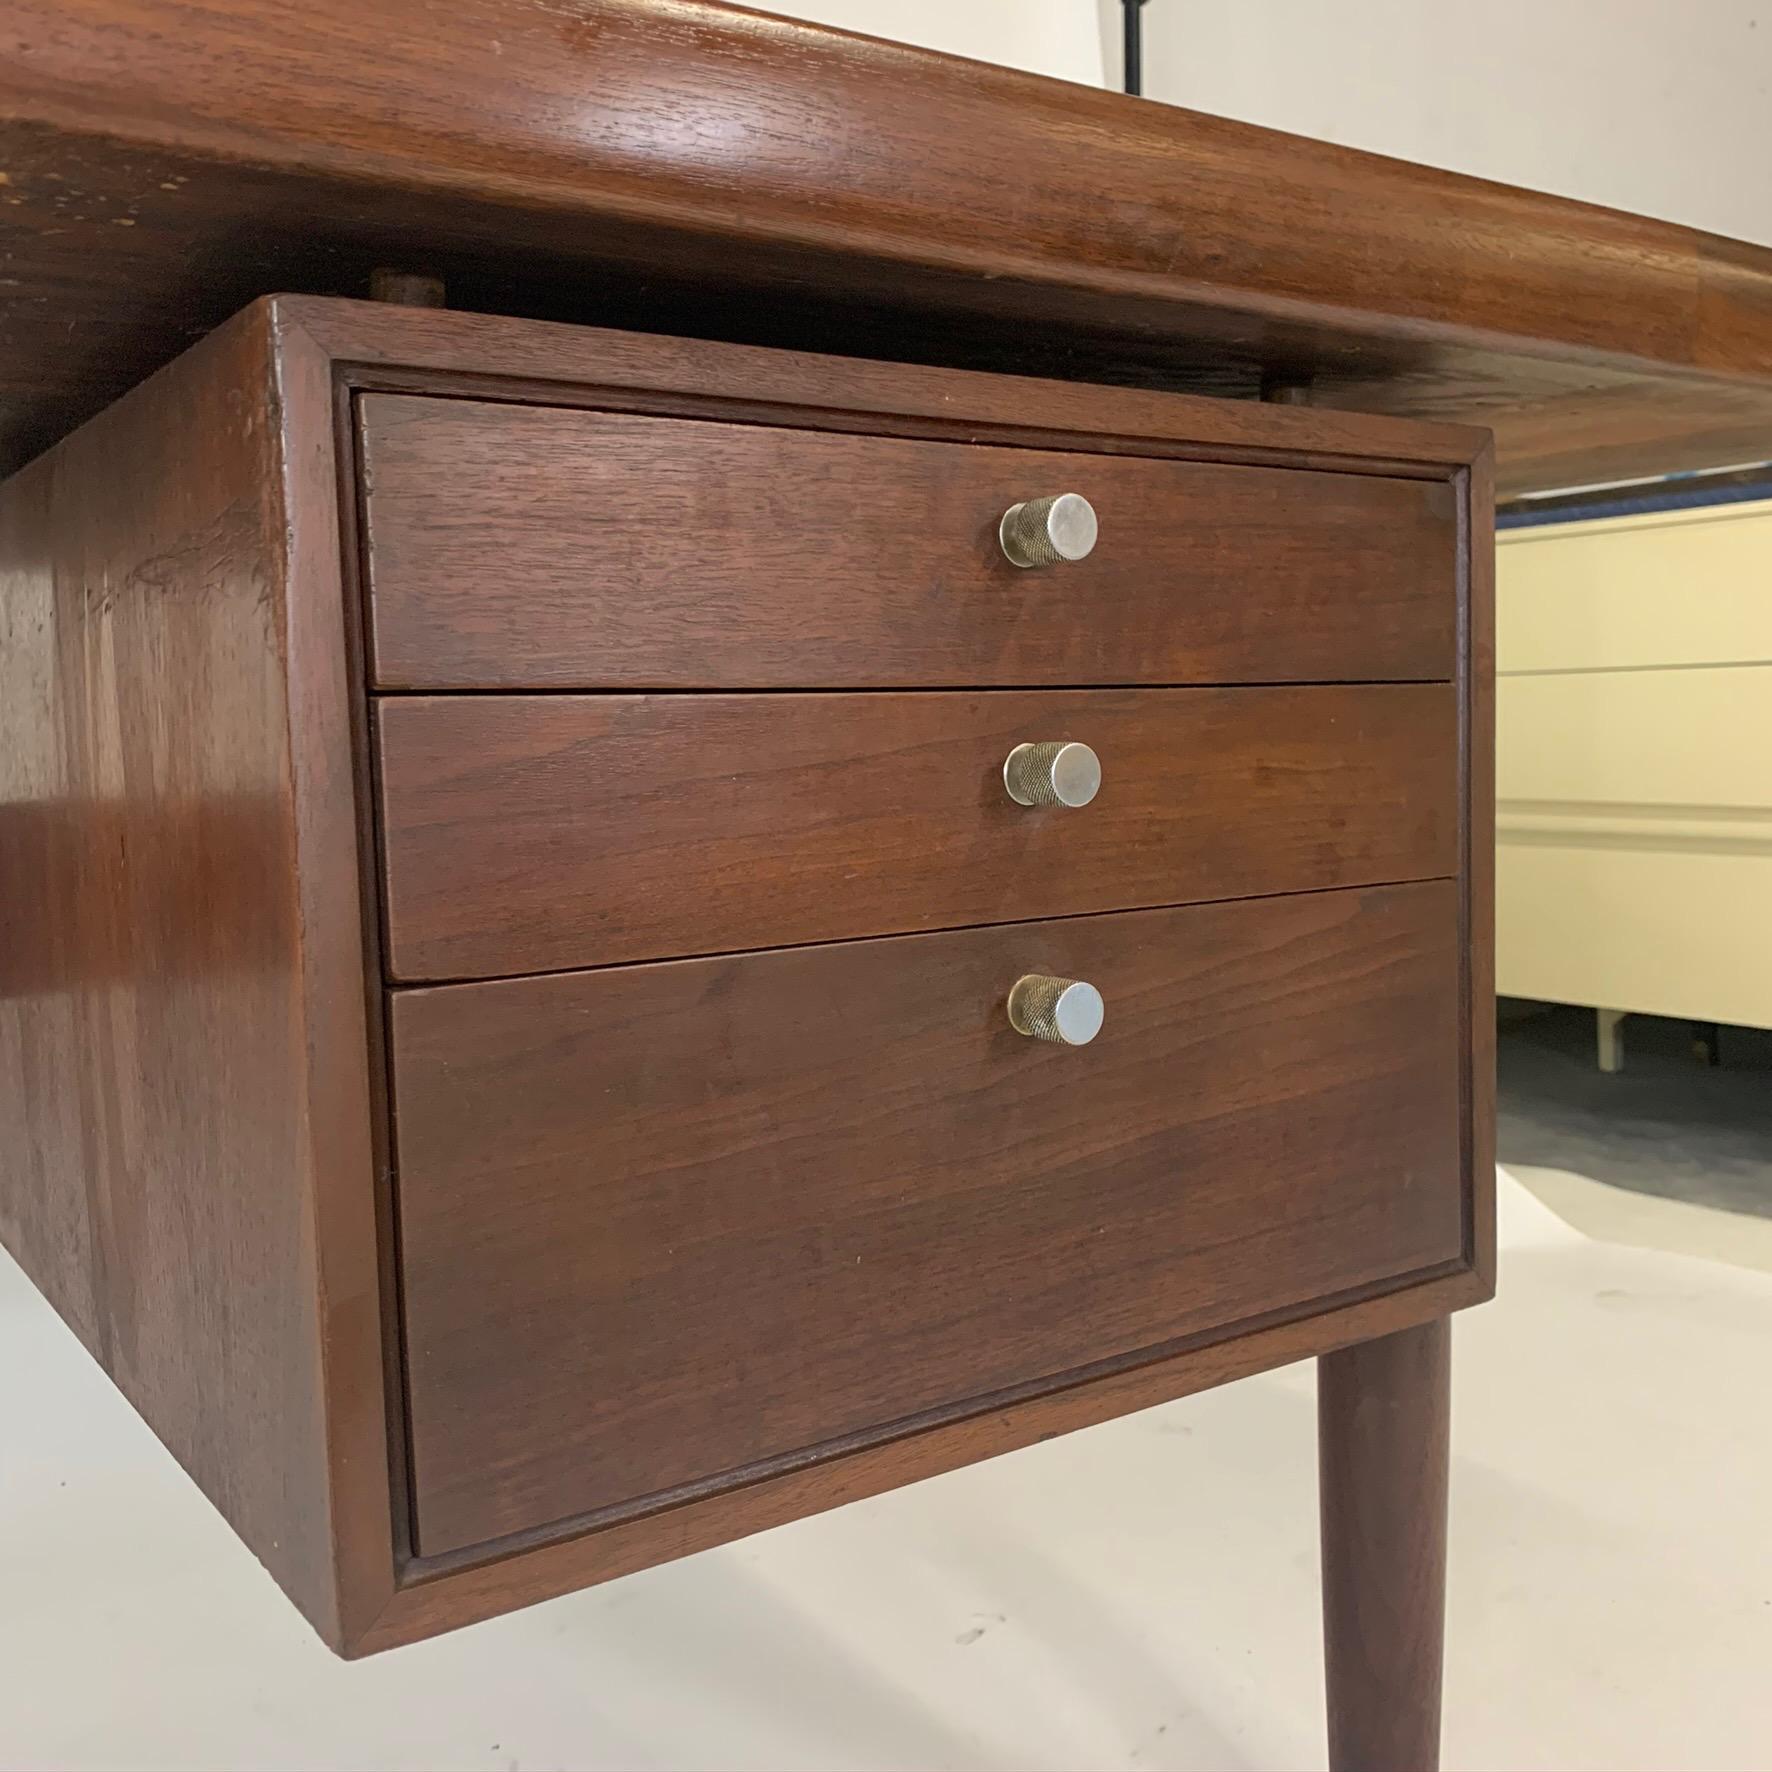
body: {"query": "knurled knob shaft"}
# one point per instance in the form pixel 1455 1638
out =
pixel 1044 531
pixel 1064 1011
pixel 1052 774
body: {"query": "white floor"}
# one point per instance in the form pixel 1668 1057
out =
pixel 1140 1595
pixel 1648 1221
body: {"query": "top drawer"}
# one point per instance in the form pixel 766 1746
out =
pixel 1657 591
pixel 525 547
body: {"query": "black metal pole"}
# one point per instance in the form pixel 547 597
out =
pixel 1134 40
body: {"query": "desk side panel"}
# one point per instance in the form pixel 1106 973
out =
pixel 156 1021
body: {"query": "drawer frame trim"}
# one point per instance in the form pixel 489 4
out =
pixel 323 354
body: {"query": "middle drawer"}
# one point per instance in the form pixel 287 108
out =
pixel 541 833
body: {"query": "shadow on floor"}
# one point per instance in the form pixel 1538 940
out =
pixel 1667 1124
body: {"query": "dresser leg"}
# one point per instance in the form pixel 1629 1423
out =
pixel 1382 1420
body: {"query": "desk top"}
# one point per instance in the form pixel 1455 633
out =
pixel 674 164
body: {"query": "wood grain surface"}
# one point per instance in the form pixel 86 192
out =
pixel 716 1214
pixel 185 1151
pixel 536 833
pixel 699 168
pixel 516 547
pixel 1384 1441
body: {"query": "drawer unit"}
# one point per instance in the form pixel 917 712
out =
pixel 537 833
pixel 568 1039
pixel 523 547
pixel 716 1214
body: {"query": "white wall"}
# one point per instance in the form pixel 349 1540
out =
pixel 1654 105
pixel 1058 37
pixel 1661 106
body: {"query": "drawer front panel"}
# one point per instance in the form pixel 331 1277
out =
pixel 1671 588
pixel 665 1224
pixel 1638 743
pixel 1634 833
pixel 1675 926
pixel 537 833
pixel 517 547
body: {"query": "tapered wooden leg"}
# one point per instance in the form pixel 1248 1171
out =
pixel 1382 1420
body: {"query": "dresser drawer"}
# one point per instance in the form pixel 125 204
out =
pixel 668 1225
pixel 536 833
pixel 516 547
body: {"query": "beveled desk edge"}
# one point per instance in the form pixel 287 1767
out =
pixel 679 167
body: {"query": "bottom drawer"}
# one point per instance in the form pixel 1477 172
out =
pixel 667 1224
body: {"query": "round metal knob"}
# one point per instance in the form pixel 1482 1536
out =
pixel 1043 531
pixel 1065 1011
pixel 1052 775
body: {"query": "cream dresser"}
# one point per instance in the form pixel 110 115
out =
pixel 1634 764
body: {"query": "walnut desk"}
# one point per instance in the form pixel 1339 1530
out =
pixel 840 821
